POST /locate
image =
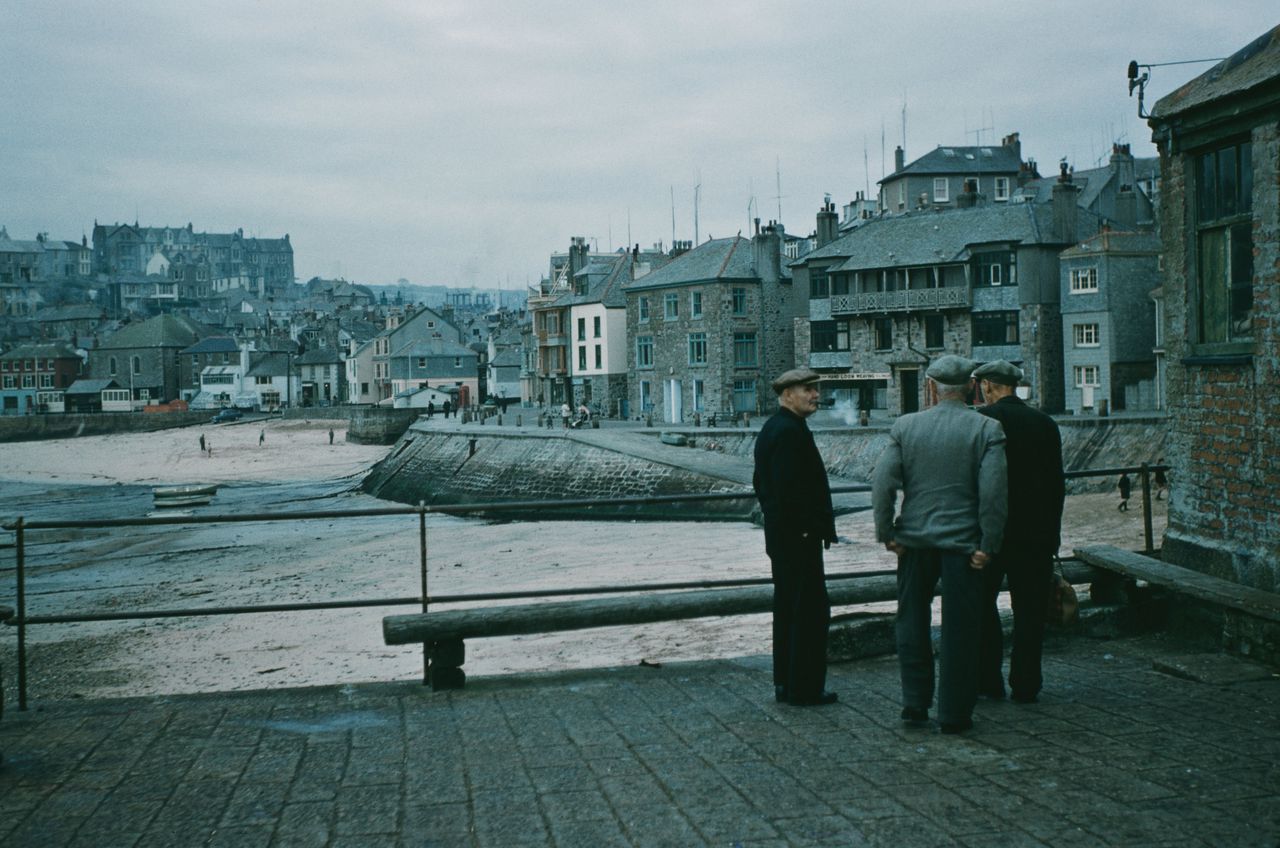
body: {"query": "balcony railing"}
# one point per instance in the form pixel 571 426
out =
pixel 903 300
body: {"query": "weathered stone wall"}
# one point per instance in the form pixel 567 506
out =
pixel 479 465
pixel 487 466
pixel 18 428
pixel 373 425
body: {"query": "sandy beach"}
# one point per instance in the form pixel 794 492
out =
pixel 196 566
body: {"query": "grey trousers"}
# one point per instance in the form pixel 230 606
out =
pixel 919 570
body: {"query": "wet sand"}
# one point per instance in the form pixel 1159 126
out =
pixel 200 566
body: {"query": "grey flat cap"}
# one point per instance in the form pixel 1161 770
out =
pixel 951 370
pixel 794 377
pixel 999 371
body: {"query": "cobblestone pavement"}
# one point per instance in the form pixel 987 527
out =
pixel 1126 747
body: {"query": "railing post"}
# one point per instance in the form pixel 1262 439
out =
pixel 1146 509
pixel 19 541
pixel 422 565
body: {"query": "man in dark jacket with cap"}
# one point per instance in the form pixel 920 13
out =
pixel 948 462
pixel 1033 448
pixel 791 483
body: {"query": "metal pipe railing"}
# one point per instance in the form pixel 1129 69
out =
pixel 21 620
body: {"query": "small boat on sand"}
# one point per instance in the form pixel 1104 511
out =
pixel 171 497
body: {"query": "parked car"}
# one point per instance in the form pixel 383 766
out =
pixel 227 415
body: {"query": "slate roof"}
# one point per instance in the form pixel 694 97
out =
pixel 428 348
pixel 91 387
pixel 213 344
pixel 74 312
pixel 160 331
pixel 507 358
pixel 1111 241
pixel 1250 67
pixel 54 350
pixel 1091 181
pixel 982 159
pixel 715 260
pixel 610 275
pixel 268 365
pixel 931 238
pixel 318 356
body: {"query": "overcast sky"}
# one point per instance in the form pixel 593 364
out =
pixel 462 143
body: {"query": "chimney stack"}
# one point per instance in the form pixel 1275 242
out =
pixel 828 223
pixel 1065 214
pixel 899 159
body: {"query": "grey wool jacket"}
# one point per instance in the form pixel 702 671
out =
pixel 949 464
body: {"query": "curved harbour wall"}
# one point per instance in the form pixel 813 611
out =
pixel 475 464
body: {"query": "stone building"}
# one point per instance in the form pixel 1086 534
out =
pixel 894 293
pixel 709 330
pixel 937 179
pixel 145 357
pixel 1108 322
pixel 1219 141
pixel 203 262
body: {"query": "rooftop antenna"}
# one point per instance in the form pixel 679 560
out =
pixel 866 167
pixel 904 120
pixel 778 174
pixel 629 242
pixel 673 216
pixel 697 195
pixel 1139 80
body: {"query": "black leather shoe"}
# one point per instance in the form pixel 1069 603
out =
pixel 816 701
pixel 915 716
pixel 950 727
pixel 780 694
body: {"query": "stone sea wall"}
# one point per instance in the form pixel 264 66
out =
pixel 486 465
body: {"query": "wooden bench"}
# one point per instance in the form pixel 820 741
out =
pixel 1253 614
pixel 443 632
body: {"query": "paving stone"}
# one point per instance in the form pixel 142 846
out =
pixel 688 754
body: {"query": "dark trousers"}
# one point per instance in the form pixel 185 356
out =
pixel 1029 572
pixel 801 613
pixel 919 570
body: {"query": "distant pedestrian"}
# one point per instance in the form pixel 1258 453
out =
pixel 262 436
pixel 330 435
pixel 447 407
pixel 209 447
pixel 1125 489
pixel 431 409
pixel 565 412
pixel 202 443
pixel 1161 481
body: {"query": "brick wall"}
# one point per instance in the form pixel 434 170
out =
pixel 1224 515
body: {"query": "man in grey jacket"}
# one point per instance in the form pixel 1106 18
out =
pixel 949 464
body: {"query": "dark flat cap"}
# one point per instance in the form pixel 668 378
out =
pixel 951 370
pixel 794 377
pixel 999 371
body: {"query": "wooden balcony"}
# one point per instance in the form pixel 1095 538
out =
pixel 903 300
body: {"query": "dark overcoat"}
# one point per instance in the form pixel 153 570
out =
pixel 1033 453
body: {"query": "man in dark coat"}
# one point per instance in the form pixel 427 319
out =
pixel 1033 449
pixel 791 483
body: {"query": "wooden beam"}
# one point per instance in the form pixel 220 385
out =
pixel 1185 581
pixel 552 616
pixel 517 619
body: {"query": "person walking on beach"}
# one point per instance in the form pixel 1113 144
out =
pixel 330 435
pixel 1125 488
pixel 949 464
pixel 790 481
pixel 202 443
pixel 1032 535
pixel 262 436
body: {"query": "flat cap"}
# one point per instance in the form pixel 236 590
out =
pixel 951 370
pixel 794 377
pixel 999 371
